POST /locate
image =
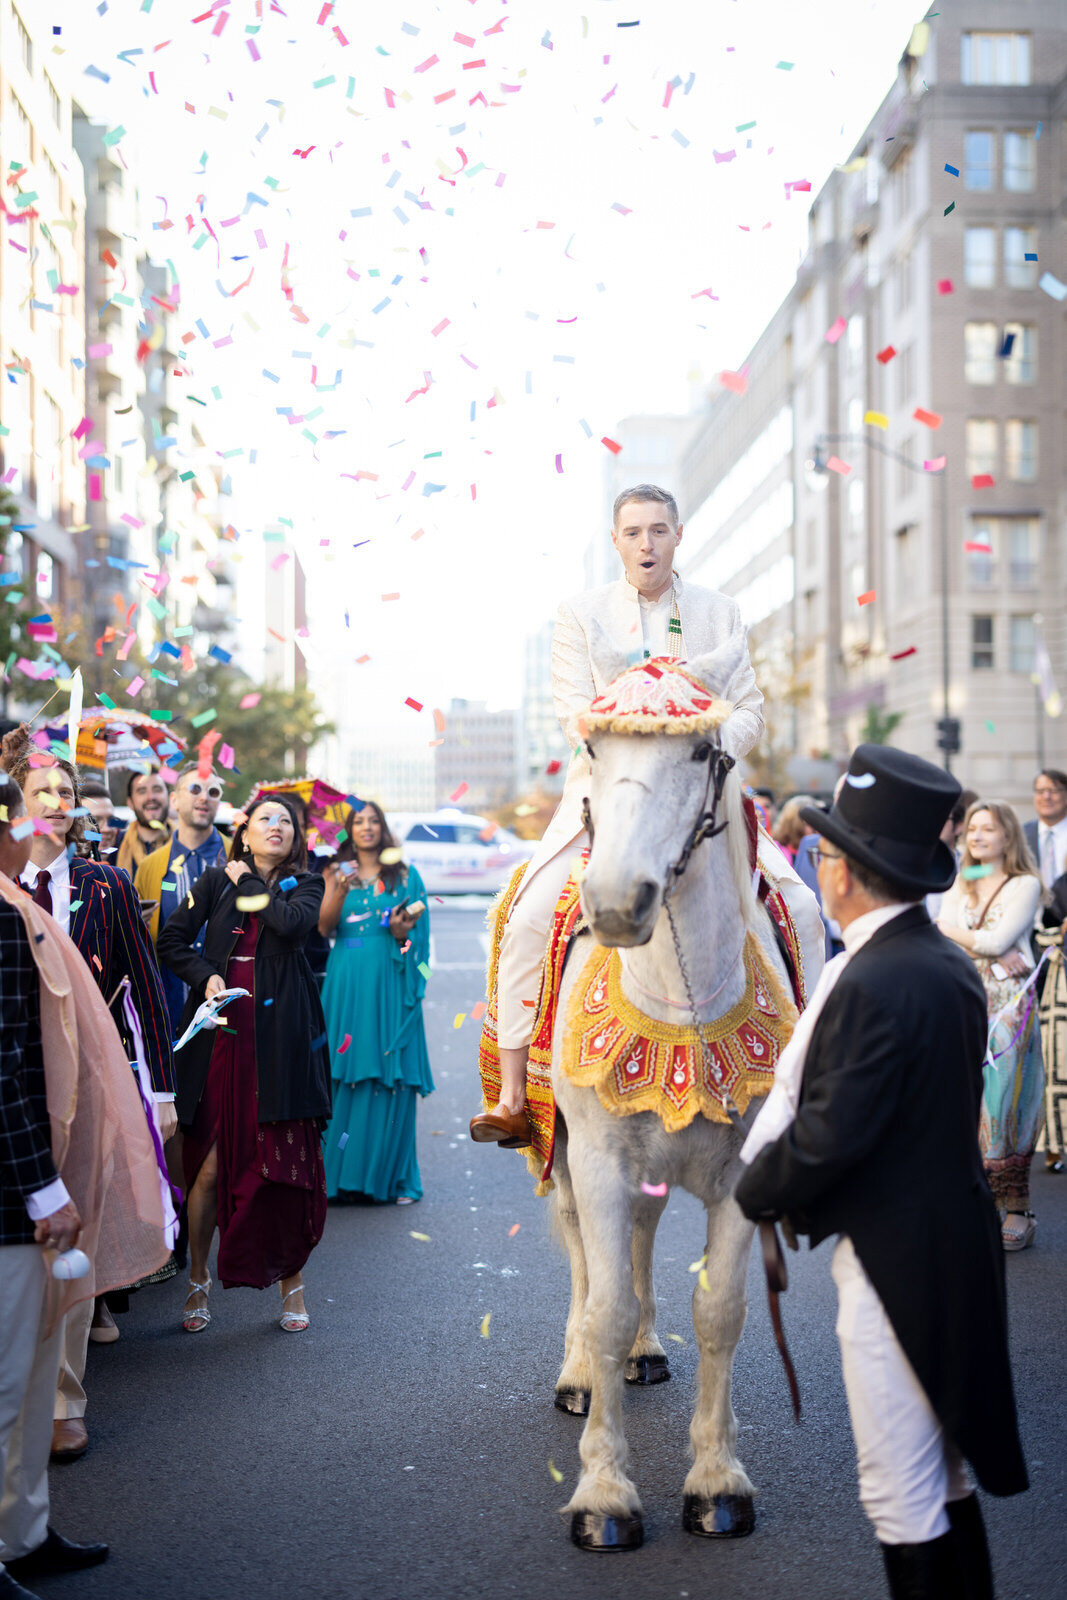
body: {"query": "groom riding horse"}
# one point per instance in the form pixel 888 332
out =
pixel 649 612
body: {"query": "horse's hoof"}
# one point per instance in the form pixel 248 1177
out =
pixel 576 1401
pixel 592 1530
pixel 719 1516
pixel 647 1369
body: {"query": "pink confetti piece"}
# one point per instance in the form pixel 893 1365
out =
pixel 395 596
pixel 945 286
pixel 974 547
pixel 416 705
pixel 345 1042
pixel 612 445
pixel 441 326
pixel 836 465
pixel 983 480
pixel 736 382
pixel 931 419
pixel 460 792
pixel 559 463
pixel 248 701
pixel 902 655
pixel 97 351
pixel 424 66
pixel 656 1189
pixel 835 330
pixel 936 465
pixel 135 685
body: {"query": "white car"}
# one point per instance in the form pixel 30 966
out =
pixel 457 853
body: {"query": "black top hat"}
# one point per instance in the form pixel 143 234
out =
pixel 889 816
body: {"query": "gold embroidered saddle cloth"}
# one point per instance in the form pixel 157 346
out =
pixel 634 1063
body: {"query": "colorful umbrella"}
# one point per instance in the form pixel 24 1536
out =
pixel 327 807
pixel 111 737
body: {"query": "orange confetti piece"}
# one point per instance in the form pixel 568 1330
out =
pixel 931 419
pixel 866 599
pixel 513 1230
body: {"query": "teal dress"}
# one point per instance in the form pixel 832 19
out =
pixel 372 998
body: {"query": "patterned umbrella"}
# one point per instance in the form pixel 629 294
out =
pixel 111 737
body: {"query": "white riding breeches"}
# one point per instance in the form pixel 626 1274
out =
pixel 522 947
pixel 908 1470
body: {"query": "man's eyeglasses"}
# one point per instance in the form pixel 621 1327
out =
pixel 212 790
pixel 1049 794
pixel 828 855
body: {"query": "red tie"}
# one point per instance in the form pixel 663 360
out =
pixel 42 894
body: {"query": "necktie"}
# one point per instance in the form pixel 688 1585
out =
pixel 42 894
pixel 1048 858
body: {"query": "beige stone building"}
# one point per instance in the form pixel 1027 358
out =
pixel 927 321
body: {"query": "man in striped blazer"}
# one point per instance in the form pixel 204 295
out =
pixel 98 907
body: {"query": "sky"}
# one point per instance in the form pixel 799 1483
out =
pixel 458 301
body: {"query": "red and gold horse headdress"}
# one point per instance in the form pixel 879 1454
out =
pixel 657 696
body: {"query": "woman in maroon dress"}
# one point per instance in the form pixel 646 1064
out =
pixel 253 1095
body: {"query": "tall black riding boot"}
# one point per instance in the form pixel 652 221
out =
pixel 929 1571
pixel 968 1529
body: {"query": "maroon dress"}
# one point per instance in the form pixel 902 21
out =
pixel 272 1183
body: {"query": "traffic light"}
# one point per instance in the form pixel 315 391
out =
pixel 948 734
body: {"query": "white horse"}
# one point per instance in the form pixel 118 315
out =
pixel 647 792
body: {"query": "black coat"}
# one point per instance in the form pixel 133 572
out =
pixel 884 1149
pixel 292 1052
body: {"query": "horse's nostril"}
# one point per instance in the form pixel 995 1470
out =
pixel 643 900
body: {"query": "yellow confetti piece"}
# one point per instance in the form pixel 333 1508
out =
pixel 252 902
pixel 513 1230
pixel 460 1019
pixel 390 857
pixel 703 1280
pixel 485 1324
pixel 676 1337
pixel 554 1472
pixel 424 1237
pixel 876 419
pixel 697 1265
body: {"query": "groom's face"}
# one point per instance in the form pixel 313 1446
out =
pixel 646 538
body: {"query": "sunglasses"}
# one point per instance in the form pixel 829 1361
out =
pixel 212 790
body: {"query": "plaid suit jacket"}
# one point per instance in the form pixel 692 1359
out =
pixel 25 1130
pixel 109 931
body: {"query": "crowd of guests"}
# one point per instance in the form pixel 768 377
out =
pixel 1008 910
pixel 272 1002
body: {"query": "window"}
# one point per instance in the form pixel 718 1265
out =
pixel 904 364
pixel 995 58
pixel 982 644
pixel 1020 161
pixel 855 416
pixel 1021 365
pixel 903 186
pixel 1020 450
pixel 906 474
pixel 981 439
pixel 1018 244
pixel 902 283
pixel 906 543
pixel 980 345
pixel 25 42
pixel 854 341
pixel 45 578
pixel 979 155
pixel 980 257
pixel 1023 644
pixel 981 563
pixel 1025 550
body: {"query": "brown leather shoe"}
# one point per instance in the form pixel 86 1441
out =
pixel 70 1439
pixel 501 1126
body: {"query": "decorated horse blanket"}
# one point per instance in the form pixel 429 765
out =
pixel 633 1062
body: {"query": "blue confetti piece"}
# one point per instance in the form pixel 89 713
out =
pixel 287 883
pixel 955 171
pixel 269 1002
pixel 322 1039
pixel 1031 255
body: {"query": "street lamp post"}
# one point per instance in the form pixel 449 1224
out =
pixel 948 726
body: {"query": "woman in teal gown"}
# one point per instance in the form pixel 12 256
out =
pixel 372 997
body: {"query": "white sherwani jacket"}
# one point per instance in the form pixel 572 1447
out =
pixel 708 619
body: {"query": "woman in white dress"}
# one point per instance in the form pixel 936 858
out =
pixel 990 912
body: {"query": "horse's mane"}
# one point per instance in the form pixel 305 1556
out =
pixel 737 846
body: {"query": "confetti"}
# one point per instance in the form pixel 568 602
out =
pixel 345 1042
pixel 835 330
pixel 901 655
pixel 423 1238
pixel 697 1266
pixel 936 465
pixel 459 1019
pixel 703 1280
pixel 342 1141
pixel 841 467
pixel 945 286
pixel 876 419
pixel 866 599
pixel 654 1188
pixel 288 883
pixel 980 869
pixel 983 480
pixel 513 1230
pixel 929 419
pixel 612 445
pixel 553 1471
pixel 458 793
pixel 736 382
pixel 484 1330
pixel 252 902
pixel 886 355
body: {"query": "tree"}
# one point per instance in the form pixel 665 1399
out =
pixel 12 640
pixel 786 686
pixel 878 725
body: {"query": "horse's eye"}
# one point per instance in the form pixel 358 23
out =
pixel 702 752
pixel 590 752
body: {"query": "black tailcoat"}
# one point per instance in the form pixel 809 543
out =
pixel 292 1052
pixel 884 1149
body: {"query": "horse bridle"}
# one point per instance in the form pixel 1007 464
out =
pixel 720 765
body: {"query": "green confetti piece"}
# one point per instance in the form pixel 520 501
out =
pixel 106 700
pixel 76 905
pixel 185 476
pixel 982 870
pixel 424 969
pixel 743 127
pixel 161 716
pixel 784 66
pixel 949 208
pixel 115 135
pixel 203 716
pixel 989 726
pixel 324 83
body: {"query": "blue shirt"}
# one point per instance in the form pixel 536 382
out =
pixel 174 892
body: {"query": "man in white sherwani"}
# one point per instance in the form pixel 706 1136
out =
pixel 647 612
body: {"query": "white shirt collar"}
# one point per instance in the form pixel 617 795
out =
pixel 1056 828
pixel 633 594
pixel 863 928
pixel 58 870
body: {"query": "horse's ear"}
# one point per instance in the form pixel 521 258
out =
pixel 608 660
pixel 717 669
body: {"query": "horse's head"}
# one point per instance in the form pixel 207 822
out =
pixel 657 769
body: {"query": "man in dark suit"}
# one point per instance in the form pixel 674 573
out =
pixel 98 907
pixel 34 1208
pixel 871 1133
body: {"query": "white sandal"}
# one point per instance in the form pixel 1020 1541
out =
pixel 294 1321
pixel 196 1321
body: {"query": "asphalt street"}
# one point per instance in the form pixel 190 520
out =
pixel 392 1451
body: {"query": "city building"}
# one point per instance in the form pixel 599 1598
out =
pixel 543 741
pixel 42 336
pixel 887 499
pixel 483 750
pixel 400 777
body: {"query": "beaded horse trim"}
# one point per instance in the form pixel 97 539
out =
pixel 657 696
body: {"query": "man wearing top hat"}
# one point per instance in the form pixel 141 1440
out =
pixel 871 1133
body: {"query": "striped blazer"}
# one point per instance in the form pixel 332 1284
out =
pixel 107 927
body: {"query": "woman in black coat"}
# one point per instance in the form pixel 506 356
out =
pixel 253 1095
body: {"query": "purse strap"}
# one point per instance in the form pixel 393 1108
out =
pixel 989 902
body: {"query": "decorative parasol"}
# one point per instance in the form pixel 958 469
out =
pixel 111 737
pixel 327 807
